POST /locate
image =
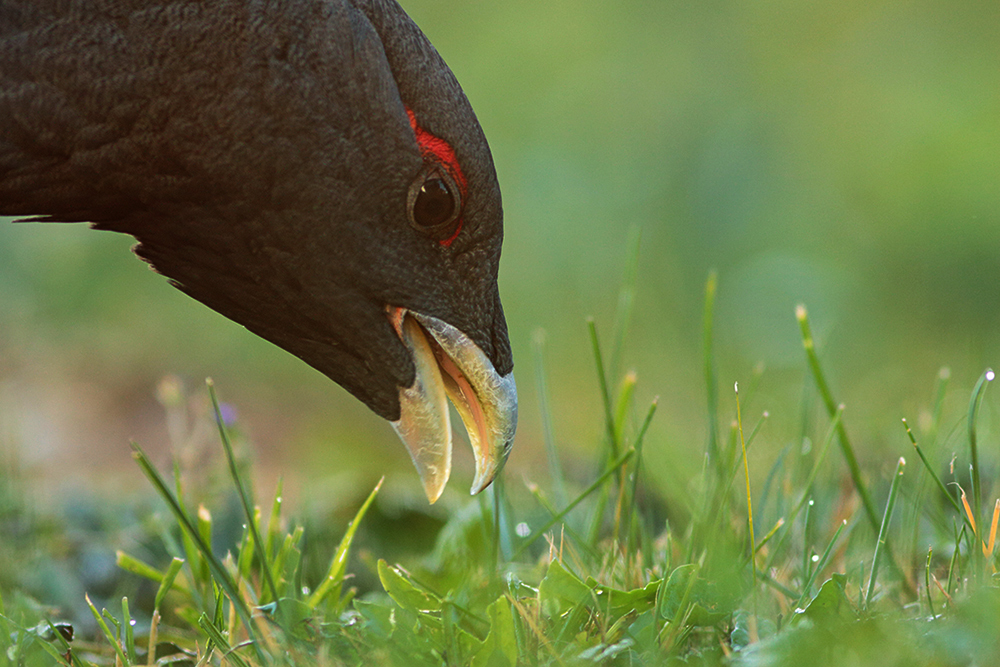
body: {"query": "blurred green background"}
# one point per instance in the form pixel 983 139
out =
pixel 842 155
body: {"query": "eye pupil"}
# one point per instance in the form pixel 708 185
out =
pixel 434 203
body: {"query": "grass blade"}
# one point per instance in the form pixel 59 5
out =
pixel 609 423
pixel 927 581
pixel 274 521
pixel 626 300
pixel 201 572
pixel 820 564
pixel 845 444
pixel 548 432
pixel 827 441
pixel 111 637
pixel 884 529
pixel 623 403
pixel 988 548
pixel 746 470
pixel 638 467
pixel 611 470
pixel 66 657
pixel 129 626
pixel 137 567
pixel 831 407
pixel 287 560
pixel 167 581
pixel 338 565
pixel 220 574
pixel 805 537
pixel 940 389
pixel 625 393
pixel 609 419
pixel 241 491
pixel 770 534
pixel 959 534
pixel 941 487
pixel 578 539
pixel 974 402
pixel 711 385
pixel 497 534
pixel 219 640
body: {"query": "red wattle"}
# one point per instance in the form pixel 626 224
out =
pixel 440 151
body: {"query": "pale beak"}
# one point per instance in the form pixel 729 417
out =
pixel 449 364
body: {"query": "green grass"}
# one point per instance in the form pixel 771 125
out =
pixel 834 564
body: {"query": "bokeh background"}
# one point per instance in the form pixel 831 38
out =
pixel 842 155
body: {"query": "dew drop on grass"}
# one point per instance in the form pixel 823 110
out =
pixel 815 558
pixel 522 529
pixel 990 375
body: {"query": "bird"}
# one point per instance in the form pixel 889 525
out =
pixel 310 169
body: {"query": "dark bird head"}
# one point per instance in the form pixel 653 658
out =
pixel 310 169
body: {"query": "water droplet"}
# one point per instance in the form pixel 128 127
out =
pixel 815 558
pixel 132 622
pixel 522 529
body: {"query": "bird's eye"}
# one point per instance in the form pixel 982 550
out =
pixel 434 204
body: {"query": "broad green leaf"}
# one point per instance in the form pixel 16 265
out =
pixel 618 602
pixel 739 637
pixel 829 603
pixel 681 590
pixel 403 592
pixel 500 647
pixel 291 614
pixel 378 618
pixel 643 630
pixel 468 644
pixel 561 590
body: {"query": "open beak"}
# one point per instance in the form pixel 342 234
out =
pixel 450 365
